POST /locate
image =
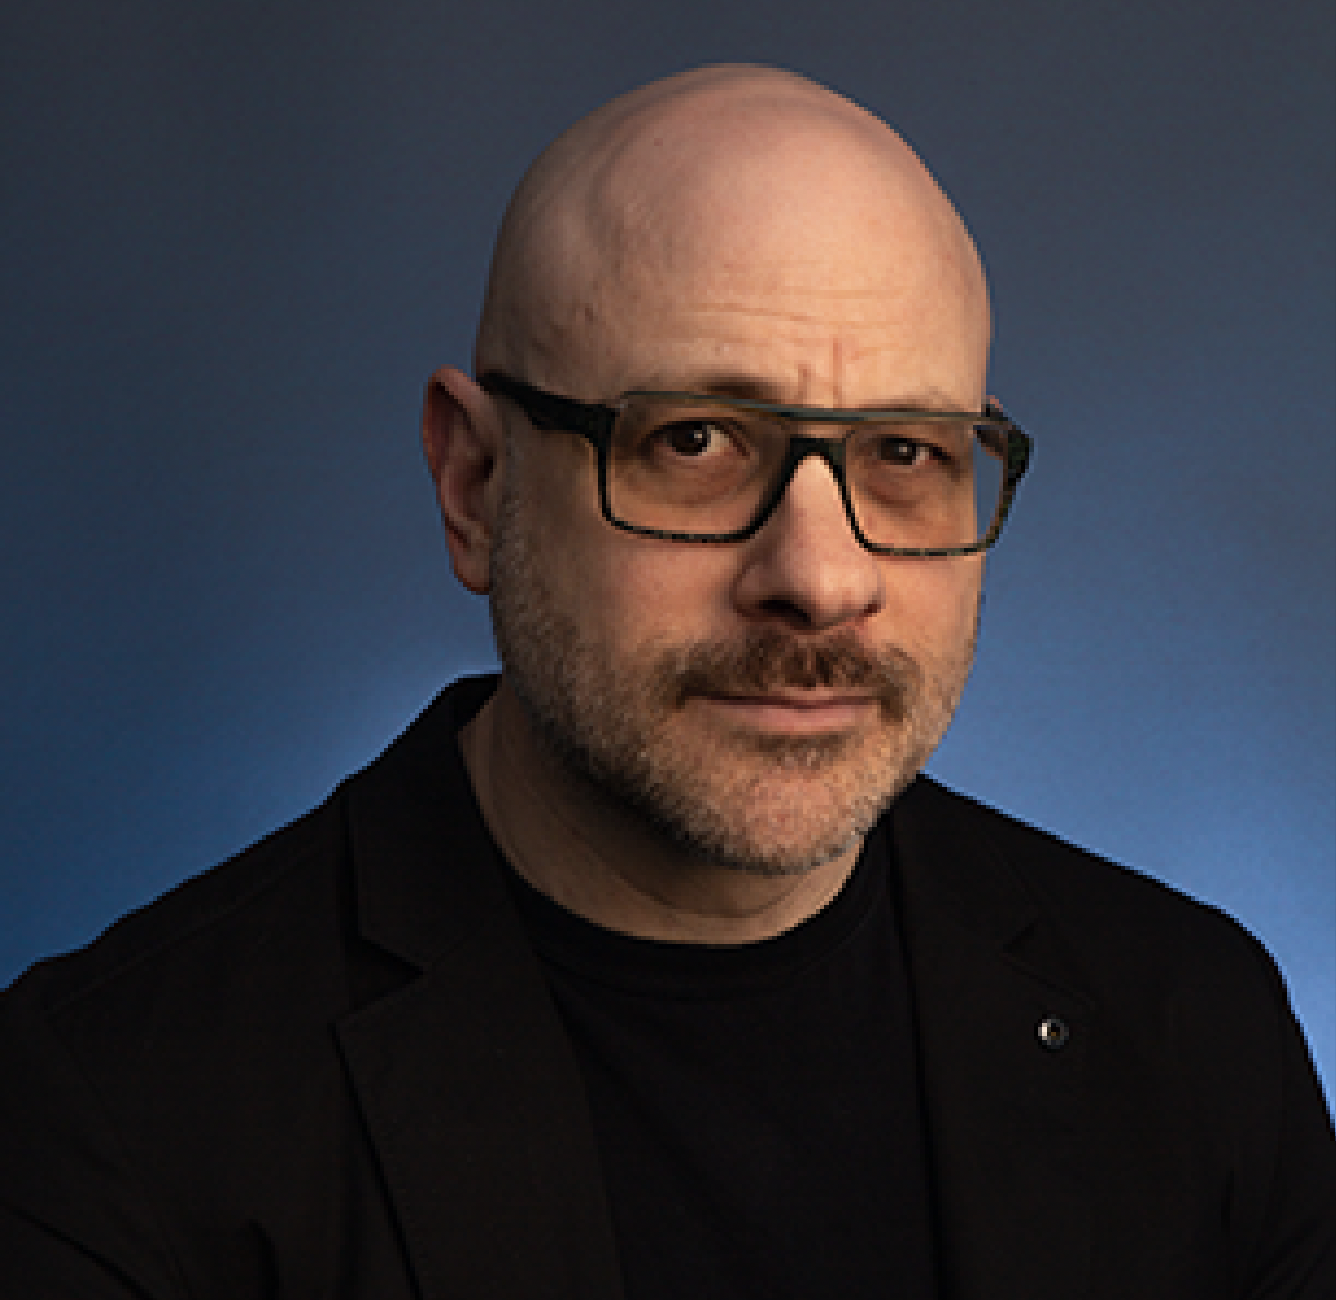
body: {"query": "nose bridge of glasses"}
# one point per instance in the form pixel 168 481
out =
pixel 829 449
pixel 800 446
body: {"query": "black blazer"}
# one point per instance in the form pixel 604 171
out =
pixel 330 1067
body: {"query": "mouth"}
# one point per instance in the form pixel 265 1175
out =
pixel 792 712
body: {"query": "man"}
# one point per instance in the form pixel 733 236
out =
pixel 653 969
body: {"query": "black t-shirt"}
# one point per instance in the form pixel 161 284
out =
pixel 757 1107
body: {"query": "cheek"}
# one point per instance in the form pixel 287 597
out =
pixel 556 498
pixel 663 592
pixel 622 590
pixel 932 606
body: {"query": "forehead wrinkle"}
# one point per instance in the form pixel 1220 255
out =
pixel 784 349
pixel 764 386
pixel 794 315
pixel 857 337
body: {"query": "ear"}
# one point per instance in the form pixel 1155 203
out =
pixel 465 447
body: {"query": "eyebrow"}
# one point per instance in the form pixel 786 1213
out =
pixel 754 388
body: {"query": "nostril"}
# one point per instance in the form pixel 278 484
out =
pixel 788 612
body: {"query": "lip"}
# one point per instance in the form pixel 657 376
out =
pixel 793 713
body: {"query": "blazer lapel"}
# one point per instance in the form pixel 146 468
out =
pixel 470 1093
pixel 1003 1034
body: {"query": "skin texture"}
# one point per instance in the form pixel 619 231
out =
pixel 689 742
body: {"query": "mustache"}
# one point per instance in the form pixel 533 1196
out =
pixel 770 660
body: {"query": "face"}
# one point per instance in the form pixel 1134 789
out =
pixel 699 733
pixel 757 704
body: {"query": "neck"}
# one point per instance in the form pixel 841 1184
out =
pixel 604 863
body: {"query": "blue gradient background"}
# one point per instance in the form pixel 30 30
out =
pixel 238 236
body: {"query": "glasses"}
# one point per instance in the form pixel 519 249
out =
pixel 687 467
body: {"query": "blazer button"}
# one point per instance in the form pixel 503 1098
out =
pixel 1053 1033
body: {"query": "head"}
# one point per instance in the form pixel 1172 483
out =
pixel 757 704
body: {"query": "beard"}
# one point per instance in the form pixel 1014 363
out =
pixel 766 804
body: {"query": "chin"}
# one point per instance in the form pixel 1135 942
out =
pixel 767 808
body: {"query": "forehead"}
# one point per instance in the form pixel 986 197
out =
pixel 806 295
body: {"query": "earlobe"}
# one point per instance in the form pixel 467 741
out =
pixel 464 445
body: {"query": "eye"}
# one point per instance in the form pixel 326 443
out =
pixel 904 453
pixel 691 438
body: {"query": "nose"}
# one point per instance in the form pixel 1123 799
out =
pixel 805 568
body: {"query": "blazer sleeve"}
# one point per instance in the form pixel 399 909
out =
pixel 1295 1254
pixel 76 1222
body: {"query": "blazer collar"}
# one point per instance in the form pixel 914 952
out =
pixel 1006 1113
pixel 470 1092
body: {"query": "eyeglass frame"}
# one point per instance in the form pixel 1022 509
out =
pixel 595 421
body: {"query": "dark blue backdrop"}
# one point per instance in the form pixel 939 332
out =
pixel 237 237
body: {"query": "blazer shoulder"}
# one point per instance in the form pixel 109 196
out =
pixel 1117 916
pixel 235 935
pixel 212 907
pixel 1057 867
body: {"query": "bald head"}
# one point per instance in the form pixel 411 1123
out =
pixel 723 197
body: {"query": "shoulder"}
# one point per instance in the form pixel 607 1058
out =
pixel 289 875
pixel 129 1062
pixel 1188 1003
pixel 1191 1060
pixel 286 901
pixel 265 949
pixel 1175 983
pixel 1106 909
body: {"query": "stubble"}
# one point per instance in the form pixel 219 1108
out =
pixel 764 804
